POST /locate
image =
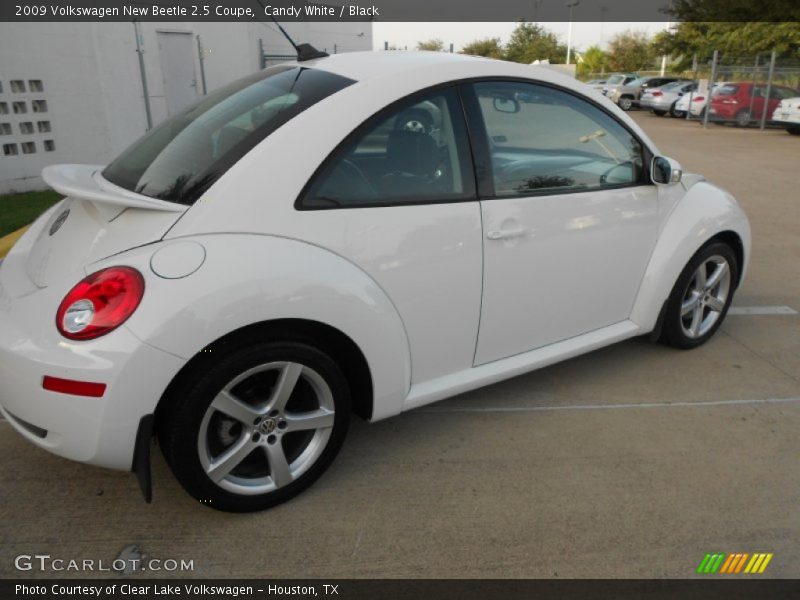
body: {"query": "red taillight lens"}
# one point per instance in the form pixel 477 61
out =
pixel 698 99
pixel 657 93
pixel 100 303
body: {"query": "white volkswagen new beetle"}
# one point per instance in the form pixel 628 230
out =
pixel 363 233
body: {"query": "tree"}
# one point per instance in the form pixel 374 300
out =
pixel 630 51
pixel 530 42
pixel 593 60
pixel 489 47
pixel 433 45
pixel 738 29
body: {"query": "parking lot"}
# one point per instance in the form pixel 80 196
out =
pixel 632 461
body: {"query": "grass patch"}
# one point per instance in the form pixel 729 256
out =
pixel 18 210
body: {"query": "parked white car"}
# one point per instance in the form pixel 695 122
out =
pixel 365 233
pixel 787 114
pixel 695 102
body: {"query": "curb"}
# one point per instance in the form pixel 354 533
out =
pixel 7 241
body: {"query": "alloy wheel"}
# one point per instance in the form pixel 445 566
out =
pixel 266 427
pixel 705 298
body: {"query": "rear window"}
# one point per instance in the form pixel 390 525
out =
pixel 179 159
pixel 725 90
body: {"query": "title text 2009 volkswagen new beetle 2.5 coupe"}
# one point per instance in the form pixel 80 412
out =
pixel 363 233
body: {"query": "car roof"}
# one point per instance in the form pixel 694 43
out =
pixel 362 66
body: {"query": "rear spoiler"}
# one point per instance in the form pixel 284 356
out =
pixel 86 182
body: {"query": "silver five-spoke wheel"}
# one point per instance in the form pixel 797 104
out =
pixel 706 296
pixel 266 427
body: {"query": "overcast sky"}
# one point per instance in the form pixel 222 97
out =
pixel 459 34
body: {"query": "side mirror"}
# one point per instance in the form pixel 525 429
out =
pixel 506 104
pixel 665 171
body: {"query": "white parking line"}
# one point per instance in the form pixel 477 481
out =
pixel 761 310
pixel 513 409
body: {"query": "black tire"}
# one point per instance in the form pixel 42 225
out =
pixel 794 130
pixel 625 103
pixel 659 113
pixel 185 417
pixel 678 114
pixel 673 330
pixel 743 118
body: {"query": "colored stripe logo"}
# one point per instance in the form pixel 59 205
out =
pixel 737 562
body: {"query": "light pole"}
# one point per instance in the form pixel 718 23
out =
pixel 571 4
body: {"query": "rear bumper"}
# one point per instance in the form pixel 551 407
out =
pixel 99 431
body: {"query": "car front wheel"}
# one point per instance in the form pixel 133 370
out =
pixel 625 103
pixel 701 297
pixel 258 427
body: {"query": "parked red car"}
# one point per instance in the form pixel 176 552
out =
pixel 743 103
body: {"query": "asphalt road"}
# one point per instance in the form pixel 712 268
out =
pixel 633 461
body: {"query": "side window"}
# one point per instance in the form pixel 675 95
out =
pixel 543 140
pixel 416 152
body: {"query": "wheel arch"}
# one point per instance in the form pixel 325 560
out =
pixel 705 214
pixel 343 350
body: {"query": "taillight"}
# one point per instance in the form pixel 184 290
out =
pixel 657 93
pixel 100 303
pixel 698 99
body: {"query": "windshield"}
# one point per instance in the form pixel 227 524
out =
pixel 180 158
pixel 615 79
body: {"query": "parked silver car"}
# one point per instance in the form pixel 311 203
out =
pixel 662 100
pixel 627 96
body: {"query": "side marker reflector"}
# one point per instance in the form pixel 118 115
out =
pixel 76 388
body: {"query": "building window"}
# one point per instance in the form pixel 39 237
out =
pixel 1 87
pixel 44 126
pixel 17 86
pixel 26 127
pixel 10 150
pixel 20 108
pixel 5 128
pixel 49 145
pixel 35 85
pixel 28 147
pixel 39 106
pixel 3 108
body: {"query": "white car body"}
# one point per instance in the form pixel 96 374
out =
pixel 787 113
pixel 434 296
pixel 695 102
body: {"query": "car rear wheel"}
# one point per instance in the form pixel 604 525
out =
pixel 743 118
pixel 659 113
pixel 701 297
pixel 625 103
pixel 257 427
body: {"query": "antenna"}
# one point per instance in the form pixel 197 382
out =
pixel 304 51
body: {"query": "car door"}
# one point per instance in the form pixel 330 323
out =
pixel 398 199
pixel 569 215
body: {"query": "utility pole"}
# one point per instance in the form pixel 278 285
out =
pixel 143 75
pixel 571 4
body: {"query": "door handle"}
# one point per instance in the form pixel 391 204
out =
pixel 505 234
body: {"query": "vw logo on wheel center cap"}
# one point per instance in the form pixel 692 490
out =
pixel 267 426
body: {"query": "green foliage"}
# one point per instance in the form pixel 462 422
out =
pixel 530 42
pixel 593 60
pixel 18 210
pixel 433 45
pixel 730 11
pixel 630 51
pixel 732 40
pixel 489 47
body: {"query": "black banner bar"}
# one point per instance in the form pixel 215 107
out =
pixel 381 10
pixel 732 588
